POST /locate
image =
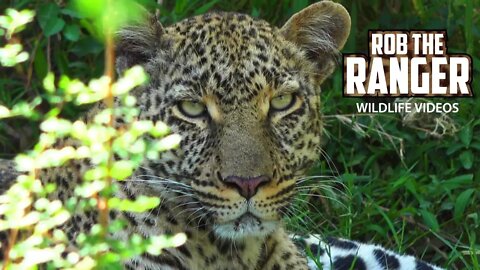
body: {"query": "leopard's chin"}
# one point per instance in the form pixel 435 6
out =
pixel 245 226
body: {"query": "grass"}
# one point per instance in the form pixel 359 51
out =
pixel 384 180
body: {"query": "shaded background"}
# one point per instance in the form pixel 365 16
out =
pixel 408 182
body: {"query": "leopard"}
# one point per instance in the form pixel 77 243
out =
pixel 244 96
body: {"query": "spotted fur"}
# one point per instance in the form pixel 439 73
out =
pixel 231 181
pixel 7 174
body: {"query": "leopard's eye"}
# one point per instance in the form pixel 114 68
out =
pixel 283 102
pixel 191 109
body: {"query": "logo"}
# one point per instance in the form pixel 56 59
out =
pixel 407 64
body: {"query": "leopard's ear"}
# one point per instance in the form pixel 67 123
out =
pixel 320 29
pixel 138 43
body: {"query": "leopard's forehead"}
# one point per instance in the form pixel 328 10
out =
pixel 231 55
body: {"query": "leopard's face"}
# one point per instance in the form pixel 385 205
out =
pixel 243 95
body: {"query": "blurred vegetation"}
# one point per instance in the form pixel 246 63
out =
pixel 35 219
pixel 408 186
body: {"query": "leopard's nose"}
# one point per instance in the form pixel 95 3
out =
pixel 247 186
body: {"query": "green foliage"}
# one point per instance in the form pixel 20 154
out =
pixel 414 187
pixel 411 186
pixel 106 16
pixel 12 22
pixel 32 221
pixel 48 18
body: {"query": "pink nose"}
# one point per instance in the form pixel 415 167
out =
pixel 246 186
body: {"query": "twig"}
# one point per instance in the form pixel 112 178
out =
pixel 109 101
pixel 30 65
pixel 11 241
pixel 14 232
pixel 49 60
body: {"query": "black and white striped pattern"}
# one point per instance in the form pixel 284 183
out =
pixel 342 254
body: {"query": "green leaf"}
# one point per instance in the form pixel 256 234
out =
pixel 96 173
pixel 49 83
pixel 466 135
pixel 57 26
pixel 56 125
pixel 157 243
pixel 454 147
pixel 141 204
pixel 86 45
pixel 180 6
pixel 49 20
pixel 466 158
pixel 206 7
pixel 458 181
pixel 25 163
pixel 4 112
pixel 87 190
pixel 122 169
pixel 461 203
pixel 299 5
pixel 108 18
pixel 46 13
pixel 475 145
pixel 70 10
pixel 430 220
pixel 469 38
pixel 72 32
pixel 40 64
pixel 12 54
pixel 14 21
pixel 24 109
pixel 160 129
pixel 140 127
pixel 167 143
